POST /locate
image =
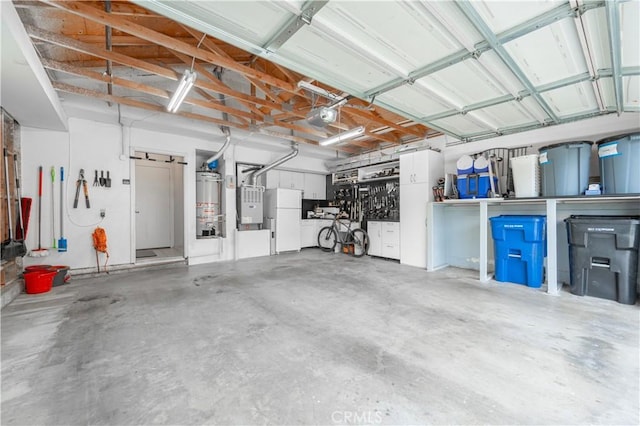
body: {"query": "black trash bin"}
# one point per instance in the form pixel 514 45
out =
pixel 603 256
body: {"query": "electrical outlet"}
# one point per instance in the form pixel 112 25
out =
pixel 103 212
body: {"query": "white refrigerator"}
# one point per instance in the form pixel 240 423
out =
pixel 283 215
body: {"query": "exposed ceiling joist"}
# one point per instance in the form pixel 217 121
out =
pixel 129 27
pixel 141 50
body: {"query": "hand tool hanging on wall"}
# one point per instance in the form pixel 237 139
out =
pixel 103 181
pixel 53 208
pixel 108 180
pixel 95 179
pixel 39 252
pixel 82 182
pixel 10 248
pixel 62 242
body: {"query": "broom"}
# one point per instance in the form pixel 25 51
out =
pixel 10 248
pixel 39 252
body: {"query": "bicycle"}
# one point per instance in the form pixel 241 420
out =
pixel 356 240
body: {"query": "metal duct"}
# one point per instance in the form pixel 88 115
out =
pixel 221 151
pixel 225 129
pixel 253 177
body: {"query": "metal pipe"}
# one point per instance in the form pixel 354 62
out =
pixel 253 177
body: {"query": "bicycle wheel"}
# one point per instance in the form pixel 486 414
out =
pixel 327 238
pixel 360 243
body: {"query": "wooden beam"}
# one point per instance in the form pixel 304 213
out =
pixel 143 88
pixel 215 100
pixel 117 8
pixel 287 73
pixel 119 40
pixel 217 50
pixel 383 137
pixel 62 87
pixel 97 15
pixel 100 52
pixel 262 116
pixel 226 90
pixel 354 110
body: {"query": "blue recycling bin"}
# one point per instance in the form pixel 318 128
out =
pixel 519 248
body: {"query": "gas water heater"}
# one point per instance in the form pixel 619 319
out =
pixel 208 211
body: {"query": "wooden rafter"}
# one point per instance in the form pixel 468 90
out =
pixel 97 15
pixel 136 63
pixel 355 110
pixel 143 88
pixel 271 104
pixel 63 87
pixel 218 51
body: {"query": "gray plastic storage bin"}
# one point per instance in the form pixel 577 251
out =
pixel 565 168
pixel 619 158
pixel 603 256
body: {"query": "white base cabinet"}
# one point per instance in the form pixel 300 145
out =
pixel 308 233
pixel 310 229
pixel 384 239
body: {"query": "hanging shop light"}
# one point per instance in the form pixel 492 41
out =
pixel 186 83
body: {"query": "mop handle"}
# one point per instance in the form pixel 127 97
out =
pixel 53 205
pixel 40 181
pixel 39 207
pixel 6 186
pixel 61 201
pixel 15 171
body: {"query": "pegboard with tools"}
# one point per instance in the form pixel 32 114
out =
pixel 380 200
pixel 346 199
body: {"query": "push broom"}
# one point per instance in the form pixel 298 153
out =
pixel 39 252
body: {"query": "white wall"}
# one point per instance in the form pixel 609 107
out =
pixel 96 145
pixel 90 146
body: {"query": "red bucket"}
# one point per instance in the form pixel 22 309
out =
pixel 33 268
pixel 39 281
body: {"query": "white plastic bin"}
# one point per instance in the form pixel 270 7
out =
pixel 526 175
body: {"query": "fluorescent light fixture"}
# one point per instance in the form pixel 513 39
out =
pixel 344 136
pixel 317 90
pixel 186 83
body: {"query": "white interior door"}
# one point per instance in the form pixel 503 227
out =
pixel 154 206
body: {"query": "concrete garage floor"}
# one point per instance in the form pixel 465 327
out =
pixel 315 338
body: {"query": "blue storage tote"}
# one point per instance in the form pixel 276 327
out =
pixel 520 248
pixel 475 185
